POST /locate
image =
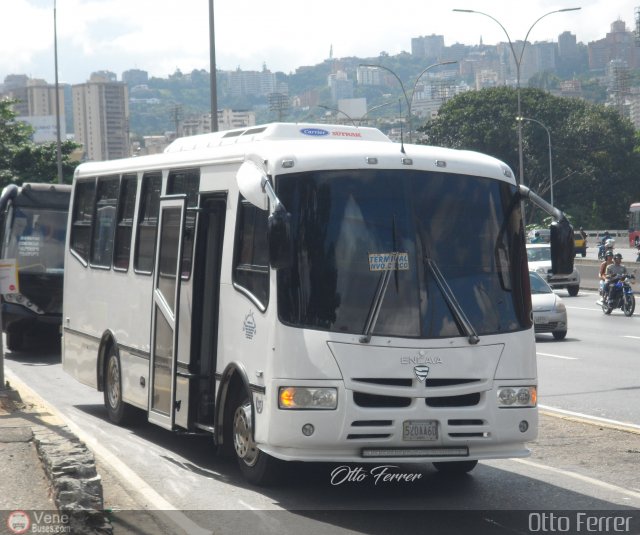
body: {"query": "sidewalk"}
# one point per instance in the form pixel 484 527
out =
pixel 48 477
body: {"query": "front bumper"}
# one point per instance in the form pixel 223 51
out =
pixel 356 433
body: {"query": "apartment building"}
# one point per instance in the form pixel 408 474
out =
pixel 101 118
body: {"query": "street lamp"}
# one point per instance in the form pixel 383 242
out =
pixel 406 98
pixel 520 119
pixel 360 119
pixel 518 61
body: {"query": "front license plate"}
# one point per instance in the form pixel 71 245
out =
pixel 540 319
pixel 420 430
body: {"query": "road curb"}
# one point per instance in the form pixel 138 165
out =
pixel 70 467
pixel 591 420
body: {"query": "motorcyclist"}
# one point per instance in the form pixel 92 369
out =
pixel 606 236
pixel 608 260
pixel 612 273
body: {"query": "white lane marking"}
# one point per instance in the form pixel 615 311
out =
pixel 556 356
pixel 580 477
pixel 159 503
pixel 634 337
pixel 588 417
pixel 584 308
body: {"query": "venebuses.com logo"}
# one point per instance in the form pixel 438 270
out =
pixel 18 522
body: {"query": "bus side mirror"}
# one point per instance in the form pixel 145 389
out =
pixel 251 179
pixel 562 247
pixel 279 236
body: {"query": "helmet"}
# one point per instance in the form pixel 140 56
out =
pixel 617 256
pixel 536 234
pixel 608 254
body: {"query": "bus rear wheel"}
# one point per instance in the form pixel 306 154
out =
pixel 118 411
pixel 256 466
pixel 15 340
pixel 455 467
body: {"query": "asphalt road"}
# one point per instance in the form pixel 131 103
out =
pixel 575 466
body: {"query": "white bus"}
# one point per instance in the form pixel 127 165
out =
pixel 308 293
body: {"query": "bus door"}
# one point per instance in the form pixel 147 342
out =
pixel 206 292
pixel 164 320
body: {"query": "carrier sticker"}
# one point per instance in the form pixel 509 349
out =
pixel 388 261
pixel 249 326
pixel 259 404
pixel 314 132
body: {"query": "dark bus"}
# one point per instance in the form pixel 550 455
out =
pixel 33 226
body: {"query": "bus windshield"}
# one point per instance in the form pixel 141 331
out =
pixel 35 238
pixel 444 239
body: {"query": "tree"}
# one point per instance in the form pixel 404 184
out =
pixel 21 160
pixel 593 148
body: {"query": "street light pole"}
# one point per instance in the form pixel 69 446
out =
pixel 212 68
pixel 520 119
pixel 406 98
pixel 57 92
pixel 518 61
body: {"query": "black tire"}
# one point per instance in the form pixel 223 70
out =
pixel 256 466
pixel 629 305
pixel 15 340
pixel 455 467
pixel 559 335
pixel 573 290
pixel 118 411
pixel 584 253
pixel 606 308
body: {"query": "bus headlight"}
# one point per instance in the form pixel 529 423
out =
pixel 517 396
pixel 301 397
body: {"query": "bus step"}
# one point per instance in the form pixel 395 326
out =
pixel 205 427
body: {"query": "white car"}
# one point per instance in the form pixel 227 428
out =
pixel 539 257
pixel 549 312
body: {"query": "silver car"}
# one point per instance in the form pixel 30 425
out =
pixel 539 257
pixel 549 312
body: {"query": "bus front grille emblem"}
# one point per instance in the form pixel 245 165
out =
pixel 421 372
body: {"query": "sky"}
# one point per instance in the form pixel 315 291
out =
pixel 161 36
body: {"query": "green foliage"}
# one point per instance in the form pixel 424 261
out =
pixel 21 160
pixel 594 149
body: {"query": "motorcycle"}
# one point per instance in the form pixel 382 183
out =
pixel 606 245
pixel 620 296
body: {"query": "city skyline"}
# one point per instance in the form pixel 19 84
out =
pixel 93 35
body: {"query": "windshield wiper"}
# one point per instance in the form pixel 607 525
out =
pixel 451 300
pixel 378 297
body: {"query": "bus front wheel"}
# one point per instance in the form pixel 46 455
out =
pixel 256 466
pixel 118 411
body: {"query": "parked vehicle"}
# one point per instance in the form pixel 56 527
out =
pixel 620 296
pixel 539 257
pixel 549 312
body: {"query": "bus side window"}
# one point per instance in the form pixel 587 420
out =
pixel 186 181
pixel 124 228
pixel 148 222
pixel 82 218
pixel 104 221
pixel 251 265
